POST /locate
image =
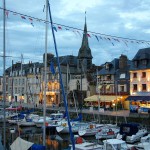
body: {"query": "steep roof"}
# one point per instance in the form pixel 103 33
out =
pixel 142 54
pixel 85 51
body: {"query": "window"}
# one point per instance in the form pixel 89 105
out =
pixel 143 74
pixel 78 85
pixel 143 87
pixel 22 81
pixel 136 63
pixel 134 87
pixel 134 75
pixel 107 66
pixel 108 77
pixel 144 62
pixel 122 76
pixel 122 88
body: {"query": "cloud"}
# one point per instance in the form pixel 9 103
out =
pixel 119 18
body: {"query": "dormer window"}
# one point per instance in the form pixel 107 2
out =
pixel 135 63
pixel 107 66
pixel 144 62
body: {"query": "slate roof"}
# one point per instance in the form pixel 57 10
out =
pixel 113 66
pixel 142 54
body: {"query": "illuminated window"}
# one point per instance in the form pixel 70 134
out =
pixel 143 87
pixel 134 87
pixel 143 74
pixel 134 75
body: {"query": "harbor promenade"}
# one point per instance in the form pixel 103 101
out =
pixel 123 113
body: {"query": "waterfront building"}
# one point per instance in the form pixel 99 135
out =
pixel 23 82
pixel 140 81
pixel 113 84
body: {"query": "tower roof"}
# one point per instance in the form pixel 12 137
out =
pixel 85 51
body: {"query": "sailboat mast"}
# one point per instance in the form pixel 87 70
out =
pixel 45 71
pixel 61 83
pixel 4 77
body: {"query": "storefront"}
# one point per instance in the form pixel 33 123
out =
pixel 139 103
pixel 109 102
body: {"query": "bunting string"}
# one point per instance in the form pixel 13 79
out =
pixel 78 32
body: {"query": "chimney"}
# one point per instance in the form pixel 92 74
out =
pixel 123 61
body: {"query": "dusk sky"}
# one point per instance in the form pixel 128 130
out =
pixel 121 18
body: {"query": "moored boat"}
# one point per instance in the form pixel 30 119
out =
pixel 131 132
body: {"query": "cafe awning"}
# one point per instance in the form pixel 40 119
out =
pixel 103 98
pixel 107 87
pixel 138 98
pixel 100 86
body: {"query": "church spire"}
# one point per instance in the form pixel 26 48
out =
pixel 84 53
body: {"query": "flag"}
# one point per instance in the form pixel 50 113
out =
pixel 88 35
pixel 14 13
pixel 101 38
pixel 52 68
pixel 6 13
pixel 59 27
pixel 54 28
pixel 32 24
pixel 23 17
pixel 30 19
pixel 96 37
pixel 79 33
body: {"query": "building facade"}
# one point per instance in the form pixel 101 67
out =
pixel 140 81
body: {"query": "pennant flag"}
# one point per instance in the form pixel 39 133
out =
pixel 14 13
pixel 6 13
pixel 88 35
pixel 38 20
pixel 54 28
pixel 23 17
pixel 112 44
pixel 100 37
pixel 126 44
pixel 66 28
pixel 79 33
pixel 75 33
pixel 97 38
pixel 32 24
pixel 30 19
pixel 59 27
pixel 52 68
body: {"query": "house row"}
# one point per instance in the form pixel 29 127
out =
pixel 124 83
pixel 121 83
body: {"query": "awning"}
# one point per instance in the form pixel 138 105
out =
pixel 138 98
pixel 20 144
pixel 107 87
pixel 103 98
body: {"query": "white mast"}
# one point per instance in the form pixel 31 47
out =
pixel 45 68
pixel 4 78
